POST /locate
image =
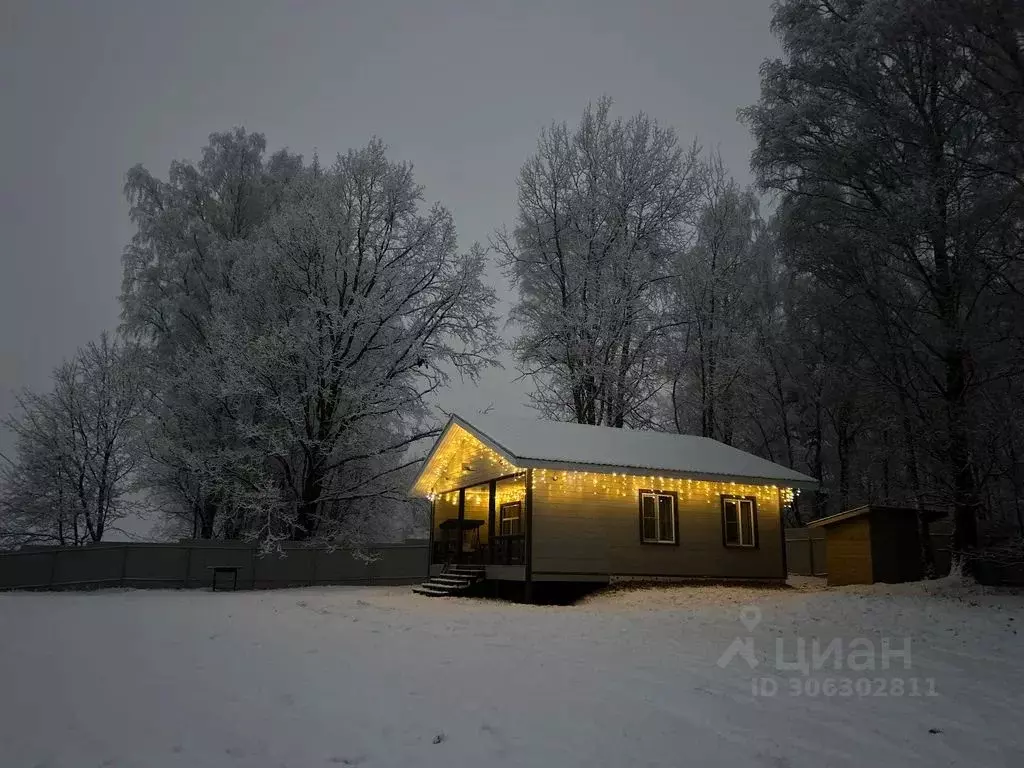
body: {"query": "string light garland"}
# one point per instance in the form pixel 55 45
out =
pixel 458 455
pixel 461 450
pixel 585 485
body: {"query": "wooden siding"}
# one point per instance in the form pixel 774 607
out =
pixel 848 552
pixel 587 523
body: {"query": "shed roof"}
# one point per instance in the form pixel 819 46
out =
pixel 553 444
pixel 850 514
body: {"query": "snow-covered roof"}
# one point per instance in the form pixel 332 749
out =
pixel 552 444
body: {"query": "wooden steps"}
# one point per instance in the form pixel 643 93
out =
pixel 454 580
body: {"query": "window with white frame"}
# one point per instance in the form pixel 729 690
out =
pixel 510 522
pixel 739 521
pixel 657 517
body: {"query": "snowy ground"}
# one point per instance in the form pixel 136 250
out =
pixel 382 677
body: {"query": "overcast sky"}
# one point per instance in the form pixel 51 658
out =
pixel 461 89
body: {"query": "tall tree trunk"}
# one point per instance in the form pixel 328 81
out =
pixel 1018 486
pixel 710 388
pixel 946 292
pixel 965 492
pixel 816 461
pixel 309 505
pixel 207 519
pixel 924 531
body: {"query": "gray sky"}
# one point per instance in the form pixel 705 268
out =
pixel 461 89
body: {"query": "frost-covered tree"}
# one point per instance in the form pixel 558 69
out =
pixel 349 310
pixel 190 229
pixel 713 296
pixel 900 199
pixel 603 210
pixel 78 449
pixel 305 327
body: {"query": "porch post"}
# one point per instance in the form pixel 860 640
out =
pixel 528 544
pixel 782 533
pixel 462 520
pixel 430 539
pixel 492 491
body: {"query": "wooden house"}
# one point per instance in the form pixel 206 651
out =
pixel 519 500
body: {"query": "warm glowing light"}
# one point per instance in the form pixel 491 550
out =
pixel 624 486
pixel 462 460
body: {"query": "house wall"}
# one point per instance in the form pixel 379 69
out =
pixel 589 524
pixel 848 548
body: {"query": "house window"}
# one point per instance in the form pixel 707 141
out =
pixel 739 521
pixel 657 517
pixel 510 523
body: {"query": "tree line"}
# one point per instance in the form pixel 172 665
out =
pixel 857 315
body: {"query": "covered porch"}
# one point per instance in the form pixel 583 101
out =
pixel 484 524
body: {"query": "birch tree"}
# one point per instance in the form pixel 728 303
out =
pixel 191 228
pixel 603 208
pixel 713 294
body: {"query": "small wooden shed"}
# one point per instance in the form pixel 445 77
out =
pixel 873 543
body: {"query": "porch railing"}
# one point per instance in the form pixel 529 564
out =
pixel 509 550
pixel 503 550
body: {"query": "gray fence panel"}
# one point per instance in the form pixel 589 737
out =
pixel 156 566
pixel 818 552
pixel 26 570
pixel 82 566
pixel 805 551
pixel 293 567
pixel 340 566
pixel 798 556
pixel 189 563
pixel 399 564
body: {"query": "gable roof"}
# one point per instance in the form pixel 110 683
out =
pixel 562 445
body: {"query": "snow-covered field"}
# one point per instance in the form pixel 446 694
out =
pixel 382 677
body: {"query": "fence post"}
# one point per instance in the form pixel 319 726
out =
pixel 252 565
pixel 124 563
pixel 188 564
pixel 312 578
pixel 810 553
